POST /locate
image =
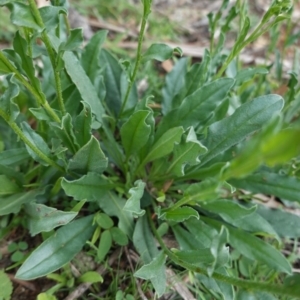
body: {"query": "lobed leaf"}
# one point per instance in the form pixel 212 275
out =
pixel 133 203
pixel 90 187
pixel 42 218
pixel 89 158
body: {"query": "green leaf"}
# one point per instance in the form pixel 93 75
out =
pixel 282 186
pixel 7 104
pixel 91 277
pixel 206 190
pixel 226 291
pixel 119 236
pixel 37 141
pixel 133 203
pixel 45 296
pixel 90 56
pixel 66 133
pixel 113 205
pixel 57 250
pixel 6 287
pixel 199 257
pixel 247 74
pixel 143 240
pixel 160 52
pixel 82 125
pixel 247 295
pixel 13 203
pixel 50 15
pixel 155 271
pixel 91 187
pixel 105 244
pixel 112 80
pixel 135 132
pixel 228 209
pixel 196 108
pixel 248 118
pixel 43 218
pixel 83 84
pixel 21 14
pixel 179 214
pixel 281 147
pixel 104 221
pixel 165 144
pixel 253 247
pixel 74 40
pixel 8 187
pixel 186 152
pixel 286 224
pixel 89 158
pixel 240 216
pixel 174 83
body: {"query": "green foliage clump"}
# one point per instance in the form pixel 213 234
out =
pixel 75 131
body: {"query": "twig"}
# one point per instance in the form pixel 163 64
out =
pixel 26 284
pixel 175 283
pixel 142 295
pixel 82 288
pixel 111 27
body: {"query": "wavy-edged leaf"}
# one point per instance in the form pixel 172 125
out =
pixel 160 52
pixel 12 204
pixel 43 218
pixel 82 125
pixel 179 214
pixel 91 187
pixel 65 133
pixel 89 158
pixel 248 118
pixel 37 141
pixel 135 132
pixel 57 250
pixel 133 203
pixel 7 105
pixel 186 152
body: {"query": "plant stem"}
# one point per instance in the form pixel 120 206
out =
pixel 146 13
pixel 28 143
pixel 40 99
pixel 245 284
pixel 51 54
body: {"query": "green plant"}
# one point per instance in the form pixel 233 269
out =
pixel 17 251
pixel 178 166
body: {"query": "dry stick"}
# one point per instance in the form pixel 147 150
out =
pixel 143 297
pixel 82 288
pixel 26 284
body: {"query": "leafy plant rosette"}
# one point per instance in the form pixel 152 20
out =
pixel 74 131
